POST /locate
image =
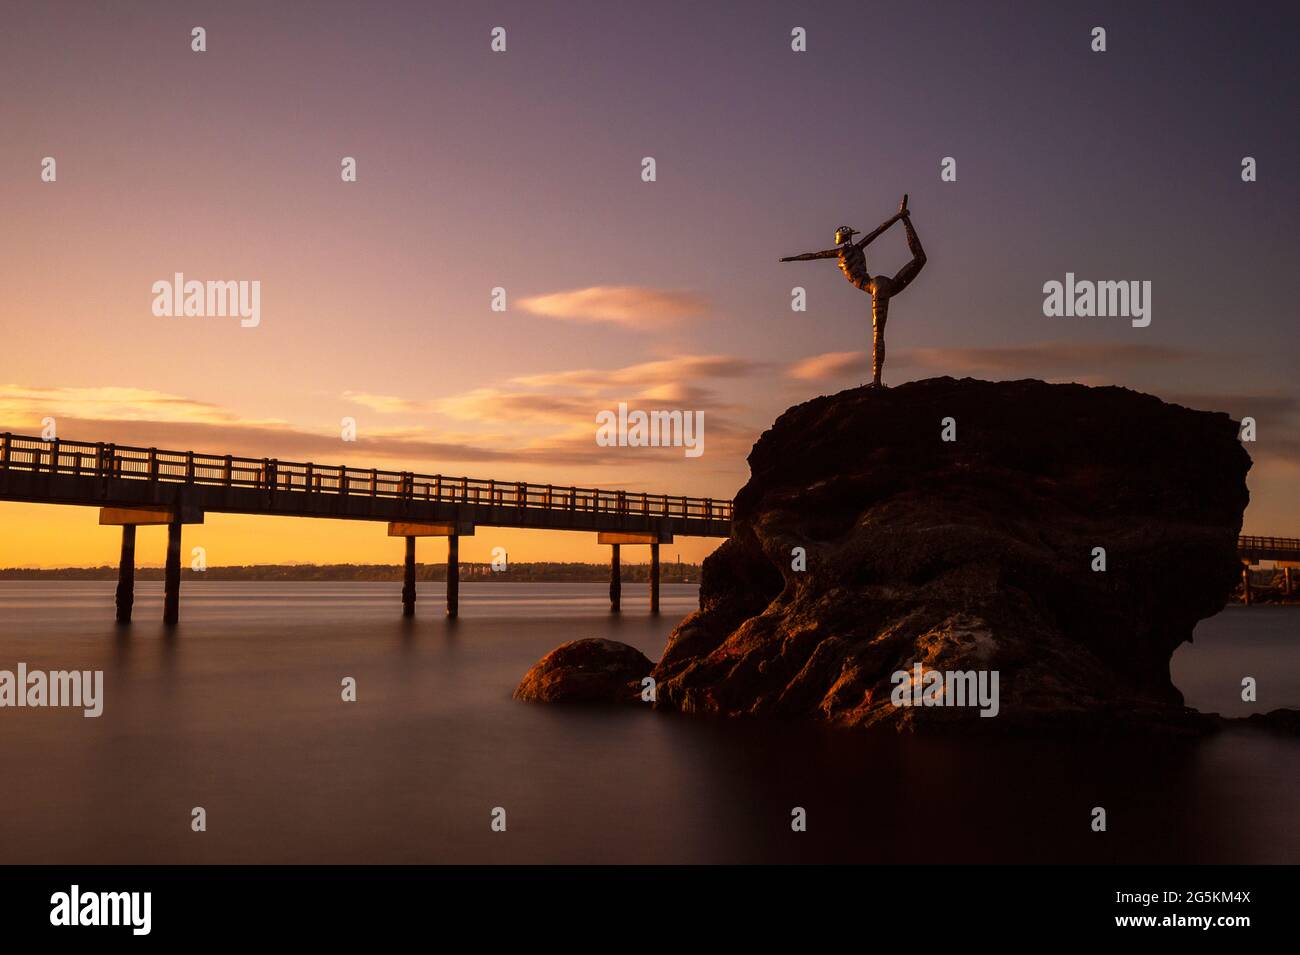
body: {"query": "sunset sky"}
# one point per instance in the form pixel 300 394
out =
pixel 523 170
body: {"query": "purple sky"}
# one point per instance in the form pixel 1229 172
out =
pixel 522 170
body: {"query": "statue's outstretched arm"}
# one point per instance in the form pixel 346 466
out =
pixel 871 236
pixel 807 256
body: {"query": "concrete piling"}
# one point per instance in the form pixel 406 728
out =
pixel 408 582
pixel 654 578
pixel 126 575
pixel 172 575
pixel 453 575
pixel 615 580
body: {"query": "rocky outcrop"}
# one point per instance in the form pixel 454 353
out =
pixel 957 525
pixel 961 527
pixel 586 671
pixel 1279 721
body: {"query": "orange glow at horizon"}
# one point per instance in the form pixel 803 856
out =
pixel 45 536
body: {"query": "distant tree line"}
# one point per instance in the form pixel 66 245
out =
pixel 518 572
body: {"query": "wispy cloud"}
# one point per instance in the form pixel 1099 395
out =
pixel 675 370
pixel 559 430
pixel 554 413
pixel 404 448
pixel 21 403
pixel 1041 358
pixel 389 404
pixel 495 404
pixel 562 395
pixel 681 395
pixel 835 364
pixel 627 305
pixel 145 418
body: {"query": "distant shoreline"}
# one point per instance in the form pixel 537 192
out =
pixel 669 573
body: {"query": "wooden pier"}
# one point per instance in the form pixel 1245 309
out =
pixel 150 486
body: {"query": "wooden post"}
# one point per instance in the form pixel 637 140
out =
pixel 172 576
pixel 654 578
pixel 126 575
pixel 453 575
pixel 615 581
pixel 1245 584
pixel 408 584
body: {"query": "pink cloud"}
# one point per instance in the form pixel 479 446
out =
pixel 627 305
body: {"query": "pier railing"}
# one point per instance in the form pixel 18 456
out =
pixel 79 458
pixel 1269 548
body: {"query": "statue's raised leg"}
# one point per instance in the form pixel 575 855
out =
pixel 913 268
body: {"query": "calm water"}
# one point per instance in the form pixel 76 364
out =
pixel 239 712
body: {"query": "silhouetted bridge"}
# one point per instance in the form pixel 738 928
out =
pixel 142 486
pixel 1284 550
pixel 1255 549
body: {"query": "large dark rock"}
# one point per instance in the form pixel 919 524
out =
pixel 586 671
pixel 974 554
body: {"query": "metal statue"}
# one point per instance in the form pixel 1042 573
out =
pixel 881 288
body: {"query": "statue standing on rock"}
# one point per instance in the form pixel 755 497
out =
pixel 881 288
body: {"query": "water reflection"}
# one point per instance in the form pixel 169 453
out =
pixel 238 710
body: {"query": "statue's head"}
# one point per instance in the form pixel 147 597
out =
pixel 844 234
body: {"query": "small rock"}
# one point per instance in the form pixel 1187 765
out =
pixel 586 671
